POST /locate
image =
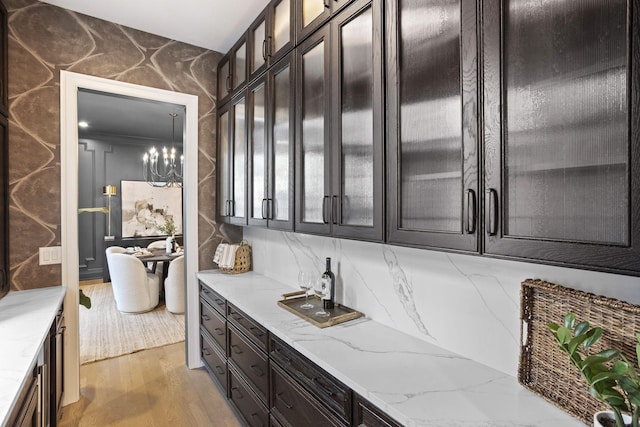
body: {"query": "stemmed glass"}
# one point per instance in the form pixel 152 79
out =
pixel 322 291
pixel 305 280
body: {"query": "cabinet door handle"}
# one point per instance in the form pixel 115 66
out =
pixel 325 219
pixel 492 212
pixel 219 331
pixel 236 349
pixel 219 370
pixel 206 352
pixel 334 209
pixel 264 49
pixel 205 317
pixel 219 301
pixel 327 4
pixel 269 208
pixel 264 215
pixel 228 82
pixel 237 390
pixel 259 372
pixel 471 212
pixel 269 47
pixel 322 387
pixel 284 402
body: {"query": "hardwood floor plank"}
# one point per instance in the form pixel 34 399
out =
pixel 150 388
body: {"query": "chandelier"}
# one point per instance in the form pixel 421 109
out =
pixel 169 174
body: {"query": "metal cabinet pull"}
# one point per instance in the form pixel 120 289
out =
pixel 259 372
pixel 284 402
pixel 322 387
pixel 471 212
pixel 264 49
pixel 236 349
pixel 237 390
pixel 206 352
pixel 219 370
pixel 326 4
pixel 228 82
pixel 325 216
pixel 492 212
pixel 334 209
pixel 264 215
pixel 269 47
pixel 205 317
pixel 219 331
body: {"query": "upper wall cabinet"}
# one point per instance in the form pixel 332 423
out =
pixel 232 160
pixel 271 135
pixel 232 70
pixel 561 112
pixel 311 14
pixel 432 141
pixel 340 172
pixel 271 36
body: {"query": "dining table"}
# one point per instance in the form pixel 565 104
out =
pixel 153 257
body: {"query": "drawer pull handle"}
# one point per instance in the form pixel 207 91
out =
pixel 219 301
pixel 259 372
pixel 206 352
pixel 236 349
pixel 254 415
pixel 205 317
pixel 284 402
pixel 253 329
pixel 237 390
pixel 236 316
pixel 205 291
pixel 219 331
pixel 322 387
pixel 219 370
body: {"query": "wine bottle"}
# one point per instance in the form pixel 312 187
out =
pixel 329 281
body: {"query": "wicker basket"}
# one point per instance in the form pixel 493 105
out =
pixel 242 262
pixel 546 370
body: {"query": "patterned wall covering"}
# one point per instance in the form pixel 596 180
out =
pixel 45 39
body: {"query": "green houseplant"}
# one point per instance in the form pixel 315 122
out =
pixel 168 228
pixel 609 375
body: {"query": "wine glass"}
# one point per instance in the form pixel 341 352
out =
pixel 305 283
pixel 322 290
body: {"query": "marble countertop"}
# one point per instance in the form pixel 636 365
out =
pixel 25 319
pixel 415 382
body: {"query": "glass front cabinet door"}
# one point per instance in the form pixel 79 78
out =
pixel 561 132
pixel 432 132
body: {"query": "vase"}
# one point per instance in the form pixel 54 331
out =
pixel 607 419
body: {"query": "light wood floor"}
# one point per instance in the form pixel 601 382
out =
pixel 148 388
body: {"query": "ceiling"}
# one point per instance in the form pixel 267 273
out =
pixel 212 24
pixel 115 115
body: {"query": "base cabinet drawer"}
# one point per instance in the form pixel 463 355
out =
pixel 252 329
pixel 251 361
pixel 214 323
pixel 213 298
pixel 253 411
pixel 293 406
pixel 214 361
pixel 366 415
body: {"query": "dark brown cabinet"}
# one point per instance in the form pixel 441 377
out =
pixel 232 70
pixel 432 134
pixel 251 361
pixel 271 147
pixel 213 336
pixel 340 185
pixel 232 161
pixel 312 14
pixel 560 132
pixel 25 412
pixel 367 415
pixel 247 404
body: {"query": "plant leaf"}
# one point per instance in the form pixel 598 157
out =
pixel 581 328
pixel 553 326
pixel 593 337
pixel 574 343
pixel 569 320
pixel 563 335
pixel 620 367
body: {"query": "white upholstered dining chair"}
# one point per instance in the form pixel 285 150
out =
pixel 174 286
pixel 134 289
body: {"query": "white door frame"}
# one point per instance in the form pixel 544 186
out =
pixel 69 85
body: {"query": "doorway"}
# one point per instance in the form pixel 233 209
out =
pixel 70 85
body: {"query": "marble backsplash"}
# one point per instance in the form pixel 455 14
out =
pixel 464 303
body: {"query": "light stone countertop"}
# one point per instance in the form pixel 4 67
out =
pixel 415 382
pixel 25 319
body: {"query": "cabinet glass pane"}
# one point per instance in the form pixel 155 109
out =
pixel 567 142
pixel 281 144
pixel 430 115
pixel 311 9
pixel 281 25
pixel 223 79
pixel 223 164
pixel 258 150
pixel 313 101
pixel 240 67
pixel 239 159
pixel 258 46
pixel 356 53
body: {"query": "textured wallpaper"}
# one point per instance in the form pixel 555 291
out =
pixel 45 39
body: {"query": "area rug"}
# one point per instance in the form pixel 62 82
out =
pixel 106 333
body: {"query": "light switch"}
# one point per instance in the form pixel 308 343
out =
pixel 50 255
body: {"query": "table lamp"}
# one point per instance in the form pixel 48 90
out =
pixel 109 191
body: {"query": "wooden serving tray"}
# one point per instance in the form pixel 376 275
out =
pixel 338 314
